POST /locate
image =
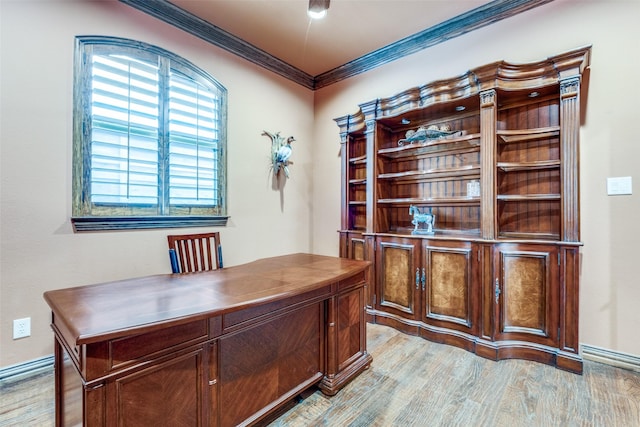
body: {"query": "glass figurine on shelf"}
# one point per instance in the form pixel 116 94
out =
pixel 425 134
pixel 427 219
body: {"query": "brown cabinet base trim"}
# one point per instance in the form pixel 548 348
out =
pixel 493 350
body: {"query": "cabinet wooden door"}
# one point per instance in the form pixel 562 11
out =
pixel 353 245
pixel 448 291
pixel 398 276
pixel 346 337
pixel 359 247
pixel 526 293
pixel 167 392
pixel 264 364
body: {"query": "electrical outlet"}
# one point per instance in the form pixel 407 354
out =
pixel 21 328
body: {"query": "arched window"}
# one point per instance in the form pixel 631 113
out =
pixel 149 139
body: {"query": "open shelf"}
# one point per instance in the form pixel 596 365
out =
pixel 461 171
pixel 473 233
pixel 432 201
pixel 525 166
pixel 529 236
pixel 520 135
pixel 527 197
pixel 360 160
pixel 440 146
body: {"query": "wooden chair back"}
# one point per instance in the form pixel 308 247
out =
pixel 195 252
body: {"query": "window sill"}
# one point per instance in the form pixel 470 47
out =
pixel 99 223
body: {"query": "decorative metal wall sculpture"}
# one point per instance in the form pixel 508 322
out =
pixel 280 152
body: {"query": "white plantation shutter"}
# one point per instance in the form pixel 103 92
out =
pixel 125 131
pixel 149 138
pixel 194 114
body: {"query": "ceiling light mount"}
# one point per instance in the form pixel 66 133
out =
pixel 318 8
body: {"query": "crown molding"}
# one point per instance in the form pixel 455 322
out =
pixel 476 18
pixel 454 27
pixel 173 15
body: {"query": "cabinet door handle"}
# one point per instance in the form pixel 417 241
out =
pixel 497 291
pixel 424 278
pixel 417 279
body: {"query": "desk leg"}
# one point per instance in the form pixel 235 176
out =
pixel 69 397
pixel 58 354
pixel 347 354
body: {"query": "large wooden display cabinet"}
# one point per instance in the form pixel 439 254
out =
pixel 498 168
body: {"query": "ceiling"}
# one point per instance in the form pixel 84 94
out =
pixel 351 29
pixel 354 37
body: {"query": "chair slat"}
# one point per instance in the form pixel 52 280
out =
pixel 196 252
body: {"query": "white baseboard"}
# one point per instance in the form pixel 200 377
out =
pixel 610 357
pixel 24 369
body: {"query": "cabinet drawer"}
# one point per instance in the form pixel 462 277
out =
pixel 351 282
pixel 135 348
pixel 239 319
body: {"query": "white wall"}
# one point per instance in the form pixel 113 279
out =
pixel 39 250
pixel 610 290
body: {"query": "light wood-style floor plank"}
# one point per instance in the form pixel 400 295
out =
pixel 28 401
pixel 414 382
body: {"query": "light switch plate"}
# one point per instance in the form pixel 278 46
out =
pixel 619 185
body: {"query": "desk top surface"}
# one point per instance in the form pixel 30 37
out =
pixel 94 312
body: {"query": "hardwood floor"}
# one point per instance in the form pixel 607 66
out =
pixel 414 382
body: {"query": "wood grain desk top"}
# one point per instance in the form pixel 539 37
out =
pixel 109 310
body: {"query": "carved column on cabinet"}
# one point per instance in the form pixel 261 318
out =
pixel 371 174
pixel 488 107
pixel 570 127
pixel 344 196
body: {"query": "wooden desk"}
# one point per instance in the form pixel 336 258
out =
pixel 219 348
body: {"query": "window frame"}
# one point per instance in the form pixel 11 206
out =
pixel 83 217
